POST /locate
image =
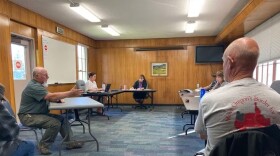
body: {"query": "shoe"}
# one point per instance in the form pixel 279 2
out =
pixel 74 144
pixel 43 150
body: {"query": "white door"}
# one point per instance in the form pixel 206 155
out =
pixel 20 49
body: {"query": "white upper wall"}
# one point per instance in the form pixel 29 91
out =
pixel 268 37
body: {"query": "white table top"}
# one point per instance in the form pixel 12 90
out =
pixel 76 103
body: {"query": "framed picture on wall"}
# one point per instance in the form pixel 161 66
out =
pixel 159 69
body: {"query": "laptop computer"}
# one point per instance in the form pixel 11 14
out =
pixel 107 88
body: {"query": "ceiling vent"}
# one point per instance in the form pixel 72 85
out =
pixel 160 48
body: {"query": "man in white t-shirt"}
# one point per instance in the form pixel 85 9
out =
pixel 243 103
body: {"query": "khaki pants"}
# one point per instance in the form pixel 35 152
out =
pixel 52 123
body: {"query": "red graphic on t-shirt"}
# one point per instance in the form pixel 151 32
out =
pixel 251 119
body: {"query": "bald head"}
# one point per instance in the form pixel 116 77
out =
pixel 38 70
pixel 240 59
pixel 40 74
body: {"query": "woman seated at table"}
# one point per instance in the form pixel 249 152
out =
pixel 220 80
pixel 140 84
pixel 91 86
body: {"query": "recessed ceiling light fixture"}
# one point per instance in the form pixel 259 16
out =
pixel 194 7
pixel 83 12
pixel 190 26
pixel 110 30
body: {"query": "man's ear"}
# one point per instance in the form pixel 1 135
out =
pixel 231 61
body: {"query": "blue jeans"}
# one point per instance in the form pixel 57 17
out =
pixel 25 148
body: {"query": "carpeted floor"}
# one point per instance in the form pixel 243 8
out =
pixel 134 132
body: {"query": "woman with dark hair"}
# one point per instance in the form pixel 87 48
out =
pixel 91 85
pixel 140 84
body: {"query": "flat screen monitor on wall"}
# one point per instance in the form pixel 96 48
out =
pixel 209 54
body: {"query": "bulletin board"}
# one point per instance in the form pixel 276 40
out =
pixel 60 60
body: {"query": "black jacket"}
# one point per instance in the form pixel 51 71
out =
pixel 139 95
pixel 254 142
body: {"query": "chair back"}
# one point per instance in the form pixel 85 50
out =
pixel 80 84
pixel 253 142
pixel 7 105
pixel 276 86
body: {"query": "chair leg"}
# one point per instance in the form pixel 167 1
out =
pixel 34 130
pixel 140 104
pixel 188 129
pixel 185 126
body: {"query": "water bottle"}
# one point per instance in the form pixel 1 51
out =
pixel 197 85
pixel 202 92
pixel 103 86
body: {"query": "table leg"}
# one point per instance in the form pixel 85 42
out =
pixel 63 140
pixel 89 130
pixel 77 119
pixel 152 99
pixel 100 99
pixel 117 103
pixel 110 102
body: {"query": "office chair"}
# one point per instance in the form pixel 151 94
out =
pixel 252 142
pixel 276 86
pixel 191 103
pixel 7 105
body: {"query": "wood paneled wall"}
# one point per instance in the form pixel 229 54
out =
pixel 116 61
pixel 18 20
pixel 5 57
pixel 119 64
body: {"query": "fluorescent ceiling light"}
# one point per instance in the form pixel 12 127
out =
pixel 84 12
pixel 194 8
pixel 110 30
pixel 190 26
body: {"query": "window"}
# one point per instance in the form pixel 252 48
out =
pixel 255 73
pixel 264 74
pixel 260 72
pixel 277 70
pixel 82 62
pixel 267 72
pixel 18 58
pixel 270 73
